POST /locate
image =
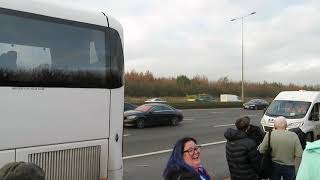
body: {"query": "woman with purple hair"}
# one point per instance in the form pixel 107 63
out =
pixel 184 162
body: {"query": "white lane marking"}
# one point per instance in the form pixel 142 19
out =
pixel 188 119
pixel 209 109
pixel 223 125
pixel 125 135
pixel 168 150
pixel 221 112
pixel 147 154
pixel 213 143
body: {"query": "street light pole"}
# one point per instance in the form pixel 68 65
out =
pixel 242 73
pixel 242 76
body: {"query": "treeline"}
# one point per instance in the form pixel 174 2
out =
pixel 139 84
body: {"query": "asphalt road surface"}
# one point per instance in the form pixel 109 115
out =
pixel 146 151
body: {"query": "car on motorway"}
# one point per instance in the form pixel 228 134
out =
pixel 200 98
pixel 155 100
pixel 128 106
pixel 205 98
pixel 256 104
pixel 152 114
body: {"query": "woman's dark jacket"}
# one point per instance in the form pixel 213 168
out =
pixel 242 155
pixel 182 175
pixel 256 134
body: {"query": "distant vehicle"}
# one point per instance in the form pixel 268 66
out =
pixel 191 98
pixel 152 114
pixel 256 104
pixel 128 106
pixel 204 98
pixel 200 98
pixel 155 100
pixel 229 98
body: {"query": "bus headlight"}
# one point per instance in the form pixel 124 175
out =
pixel 295 125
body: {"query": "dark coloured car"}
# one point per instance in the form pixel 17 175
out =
pixel 256 104
pixel 128 106
pixel 152 114
pixel 205 98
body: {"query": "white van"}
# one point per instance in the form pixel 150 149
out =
pixel 301 108
pixel 229 98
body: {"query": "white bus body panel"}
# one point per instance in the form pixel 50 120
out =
pixel 22 154
pixel 56 11
pixel 6 157
pixel 40 120
pixel 44 116
pixel 115 165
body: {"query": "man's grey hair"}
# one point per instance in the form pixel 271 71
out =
pixel 280 123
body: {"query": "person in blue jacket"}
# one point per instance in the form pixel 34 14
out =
pixel 310 164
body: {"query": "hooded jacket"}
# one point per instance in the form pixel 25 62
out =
pixel 242 155
pixel 310 165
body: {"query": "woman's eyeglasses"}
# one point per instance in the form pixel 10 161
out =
pixel 191 151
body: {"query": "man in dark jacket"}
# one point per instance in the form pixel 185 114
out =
pixel 241 152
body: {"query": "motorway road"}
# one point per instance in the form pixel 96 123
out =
pixel 206 125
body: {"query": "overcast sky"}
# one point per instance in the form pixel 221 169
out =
pixel 196 37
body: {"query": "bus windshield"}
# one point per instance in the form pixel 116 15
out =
pixel 288 109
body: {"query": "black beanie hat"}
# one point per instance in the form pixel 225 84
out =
pixel 21 171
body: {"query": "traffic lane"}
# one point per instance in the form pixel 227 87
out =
pixel 202 125
pixel 224 115
pixel 151 167
pixel 203 117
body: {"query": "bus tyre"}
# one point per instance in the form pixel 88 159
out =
pixel 140 123
pixel 309 137
pixel 174 121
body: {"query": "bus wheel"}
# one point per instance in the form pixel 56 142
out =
pixel 309 137
pixel 174 121
pixel 140 124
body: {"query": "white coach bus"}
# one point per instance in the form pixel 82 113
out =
pixel 61 89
